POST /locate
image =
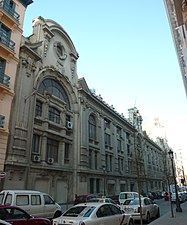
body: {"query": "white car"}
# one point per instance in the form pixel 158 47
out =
pixel 94 213
pixel 149 208
pixel 181 196
pixel 2 222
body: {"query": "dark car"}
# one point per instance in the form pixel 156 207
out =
pixel 17 216
pixel 83 198
pixel 114 198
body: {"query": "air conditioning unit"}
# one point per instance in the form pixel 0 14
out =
pixel 36 158
pixel 69 124
pixel 50 160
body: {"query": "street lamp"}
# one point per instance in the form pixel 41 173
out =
pixel 178 207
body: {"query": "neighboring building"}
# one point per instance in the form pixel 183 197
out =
pixel 66 140
pixel 177 15
pixel 11 23
pixel 178 156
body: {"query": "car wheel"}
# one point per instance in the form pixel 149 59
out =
pixel 158 213
pixel 131 222
pixel 148 219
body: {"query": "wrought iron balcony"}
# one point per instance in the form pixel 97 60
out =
pixel 2 121
pixel 6 7
pixel 6 41
pixel 5 79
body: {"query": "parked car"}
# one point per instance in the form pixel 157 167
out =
pixel 185 195
pixel 127 195
pixel 2 222
pixel 182 197
pixel 17 216
pixel 114 198
pixel 102 200
pixel 83 198
pixel 35 203
pixel 149 208
pixel 94 213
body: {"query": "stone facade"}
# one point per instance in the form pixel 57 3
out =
pixel 177 15
pixel 66 140
pixel 11 23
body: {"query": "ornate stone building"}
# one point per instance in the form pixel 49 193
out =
pixel 66 140
pixel 177 15
pixel 12 14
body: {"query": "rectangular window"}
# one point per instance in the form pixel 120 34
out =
pixel 22 200
pixel 91 185
pixel 54 115
pixel 35 200
pixel 95 160
pixel 2 70
pixel 52 149
pixel 107 123
pixel 92 131
pixel 128 151
pixel 118 131
pixel 108 161
pixel 5 34
pixel 107 140
pixel 66 153
pixel 97 185
pixel 110 165
pixel 38 110
pixel 90 159
pixel 36 143
pixel 119 145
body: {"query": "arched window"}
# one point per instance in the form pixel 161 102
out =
pixel 92 127
pixel 53 88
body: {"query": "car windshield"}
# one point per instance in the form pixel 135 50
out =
pixel 125 195
pixel 83 211
pixel 132 202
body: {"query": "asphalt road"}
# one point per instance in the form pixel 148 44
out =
pixel 164 208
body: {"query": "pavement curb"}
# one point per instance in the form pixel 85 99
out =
pixel 180 218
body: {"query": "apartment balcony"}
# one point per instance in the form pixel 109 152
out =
pixel 8 14
pixel 4 80
pixel 7 46
pixel 2 121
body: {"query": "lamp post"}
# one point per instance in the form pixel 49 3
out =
pixel 178 207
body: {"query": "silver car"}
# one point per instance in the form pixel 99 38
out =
pixel 149 208
pixel 94 213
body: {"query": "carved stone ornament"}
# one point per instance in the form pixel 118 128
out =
pixel 60 50
pixel 184 5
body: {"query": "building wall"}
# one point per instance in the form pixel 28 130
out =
pixel 177 16
pixel 66 140
pixel 11 24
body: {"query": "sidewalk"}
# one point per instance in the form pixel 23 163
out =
pixel 180 218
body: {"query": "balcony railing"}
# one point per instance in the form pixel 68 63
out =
pixel 5 79
pixel 9 10
pixel 6 41
pixel 2 121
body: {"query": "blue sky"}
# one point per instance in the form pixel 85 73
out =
pixel 126 53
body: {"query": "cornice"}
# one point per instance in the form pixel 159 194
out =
pixel 26 2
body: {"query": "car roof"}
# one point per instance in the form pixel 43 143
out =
pixel 96 204
pixel 20 191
